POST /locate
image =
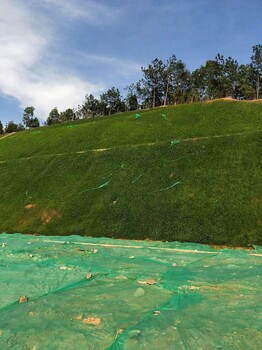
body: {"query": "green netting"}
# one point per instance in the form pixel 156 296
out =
pixel 91 293
pixel 174 142
pixel 97 187
pixel 169 187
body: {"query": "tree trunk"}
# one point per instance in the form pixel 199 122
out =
pixel 154 97
pixel 167 88
pixel 258 86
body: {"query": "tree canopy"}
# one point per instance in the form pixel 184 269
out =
pixel 28 118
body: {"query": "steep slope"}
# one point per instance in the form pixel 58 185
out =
pixel 187 173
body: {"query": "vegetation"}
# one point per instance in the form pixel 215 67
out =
pixel 28 118
pixel 187 173
pixel 13 127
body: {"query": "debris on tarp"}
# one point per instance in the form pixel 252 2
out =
pixel 150 281
pixel 131 295
pixel 88 275
pixel 157 312
pixel 95 321
pixel 139 292
pixel 23 299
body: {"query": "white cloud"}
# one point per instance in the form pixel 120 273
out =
pixel 24 43
pixel 87 10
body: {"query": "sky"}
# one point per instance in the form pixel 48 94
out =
pixel 54 52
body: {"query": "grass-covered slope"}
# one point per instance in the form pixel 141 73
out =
pixel 129 177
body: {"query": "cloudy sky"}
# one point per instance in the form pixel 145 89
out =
pixel 54 52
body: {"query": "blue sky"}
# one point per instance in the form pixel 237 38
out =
pixel 53 52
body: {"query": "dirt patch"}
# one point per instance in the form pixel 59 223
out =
pixel 229 98
pixel 219 247
pixel 221 99
pixel 47 217
pixel 212 288
pixel 257 201
pixel 7 135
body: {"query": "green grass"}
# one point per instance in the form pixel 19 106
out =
pixel 205 190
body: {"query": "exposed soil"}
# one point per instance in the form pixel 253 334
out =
pixel 47 217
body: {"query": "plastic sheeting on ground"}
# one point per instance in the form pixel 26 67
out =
pixel 97 293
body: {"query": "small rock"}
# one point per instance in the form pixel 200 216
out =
pixel 139 293
pixel 23 299
pixel 121 277
pixel 32 313
pixel 131 257
pixel 150 281
pixel 80 317
pixel 88 275
pixel 174 264
pixel 95 251
pixel 157 312
pixel 192 288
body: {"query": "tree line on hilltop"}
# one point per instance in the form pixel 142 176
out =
pixel 164 83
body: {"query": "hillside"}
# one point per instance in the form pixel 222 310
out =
pixel 187 173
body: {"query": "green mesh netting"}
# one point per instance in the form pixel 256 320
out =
pixel 90 293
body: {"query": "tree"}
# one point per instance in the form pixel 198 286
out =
pixel 13 127
pixel 170 78
pixel 54 117
pixel 231 77
pixel 90 107
pixel 28 118
pixel 246 90
pixel 67 115
pixel 256 62
pixel 210 80
pixel 153 83
pixel 181 83
pixel 131 97
pixel 20 127
pixel 111 102
pixel 198 84
pixel 1 128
